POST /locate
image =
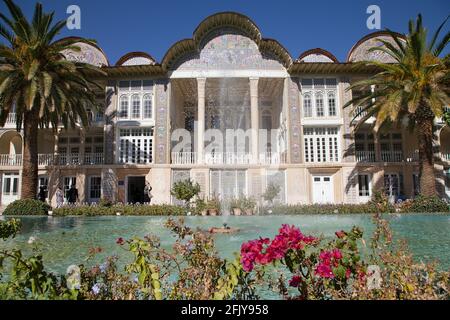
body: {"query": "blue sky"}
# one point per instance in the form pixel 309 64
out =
pixel 153 26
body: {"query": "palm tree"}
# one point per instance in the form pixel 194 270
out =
pixel 415 88
pixel 38 82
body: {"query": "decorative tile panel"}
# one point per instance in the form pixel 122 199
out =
pixel 162 114
pixel 294 109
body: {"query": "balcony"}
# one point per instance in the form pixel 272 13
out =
pixel 392 156
pixel 45 160
pixel 228 158
pixel 365 156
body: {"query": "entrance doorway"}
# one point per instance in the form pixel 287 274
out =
pixel 323 190
pixel 10 188
pixel 136 190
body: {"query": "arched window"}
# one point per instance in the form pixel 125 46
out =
pixel 319 105
pixel 332 104
pixel 136 107
pixel 307 106
pixel 148 107
pixel 123 111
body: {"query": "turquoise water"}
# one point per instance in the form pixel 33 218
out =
pixel 66 241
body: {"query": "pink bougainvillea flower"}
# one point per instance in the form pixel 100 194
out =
pixel 324 270
pixel 348 273
pixel 120 241
pixel 295 281
pixel 265 251
pixel 341 234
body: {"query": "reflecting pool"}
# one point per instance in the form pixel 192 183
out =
pixel 66 241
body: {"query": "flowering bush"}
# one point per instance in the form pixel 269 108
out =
pixel 315 268
pixel 193 270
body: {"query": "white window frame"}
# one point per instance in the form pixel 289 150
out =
pixel 369 191
pixel 324 90
pixel 129 94
pixel 94 200
pixel 314 150
pixel 120 138
pixel 236 180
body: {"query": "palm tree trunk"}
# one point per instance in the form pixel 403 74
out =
pixel 426 157
pixel 30 155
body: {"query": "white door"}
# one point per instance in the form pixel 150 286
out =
pixel 10 188
pixel 323 190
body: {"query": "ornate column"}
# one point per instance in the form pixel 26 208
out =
pixel 81 154
pixel 254 102
pixel 201 84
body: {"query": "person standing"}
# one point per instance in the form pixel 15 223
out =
pixel 59 197
pixel 148 193
pixel 72 195
pixel 42 194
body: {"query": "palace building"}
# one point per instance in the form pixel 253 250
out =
pixel 235 112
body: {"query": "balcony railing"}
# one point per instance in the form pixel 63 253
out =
pixel 10 160
pixel 392 156
pixel 227 158
pixel 365 156
pixel 45 160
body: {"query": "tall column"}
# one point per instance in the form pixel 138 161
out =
pixel 201 83
pixel 254 101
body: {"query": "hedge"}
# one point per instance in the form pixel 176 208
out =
pixel 27 208
pixel 124 210
pixel 420 204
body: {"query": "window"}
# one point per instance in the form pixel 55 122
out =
pixel 393 185
pixel 95 188
pixel 307 106
pixel 364 185
pixel 140 105
pixel 228 184
pixel 136 107
pixel 136 146
pixel 319 97
pixel 447 181
pixel 391 147
pixel 319 105
pixel 331 104
pixel 123 111
pixel 322 145
pixel 148 107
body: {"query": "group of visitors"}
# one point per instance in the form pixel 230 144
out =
pixel 71 195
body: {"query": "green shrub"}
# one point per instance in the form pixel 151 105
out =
pixel 368 208
pixel 272 192
pixel 124 210
pixel 185 190
pixel 27 208
pixel 423 204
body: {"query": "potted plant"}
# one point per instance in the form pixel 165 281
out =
pixel 249 206
pixel 236 206
pixel 201 207
pixel 213 207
